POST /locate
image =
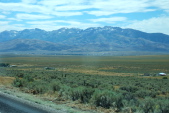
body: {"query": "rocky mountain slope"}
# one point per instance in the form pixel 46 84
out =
pixel 95 39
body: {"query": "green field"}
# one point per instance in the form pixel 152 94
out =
pixel 121 64
pixel 102 83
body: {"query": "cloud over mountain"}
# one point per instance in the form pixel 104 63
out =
pixel 20 14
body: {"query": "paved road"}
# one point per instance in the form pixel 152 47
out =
pixel 9 105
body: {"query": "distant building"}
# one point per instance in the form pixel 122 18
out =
pixel 162 74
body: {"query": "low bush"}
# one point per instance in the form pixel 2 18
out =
pixel 147 105
pixel 107 99
pixel 164 78
pixel 162 105
pixel 131 89
pixel 4 64
pixel 55 86
pixel 144 93
pixel 82 93
pixel 17 82
pixel 116 92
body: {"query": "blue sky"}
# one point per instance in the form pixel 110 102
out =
pixel 145 15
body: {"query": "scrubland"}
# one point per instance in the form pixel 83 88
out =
pixel 93 83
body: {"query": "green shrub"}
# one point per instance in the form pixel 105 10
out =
pixel 17 82
pixel 107 99
pixel 130 94
pixel 64 92
pixel 144 93
pixel 28 78
pixel 164 78
pixel 20 75
pixel 163 105
pixel 4 65
pixel 55 86
pixel 127 95
pixel 39 89
pixel 147 105
pixel 131 89
pixel 82 93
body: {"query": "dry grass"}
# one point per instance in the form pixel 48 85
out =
pixel 95 72
pixel 7 81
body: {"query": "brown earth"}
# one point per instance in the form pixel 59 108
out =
pixel 7 81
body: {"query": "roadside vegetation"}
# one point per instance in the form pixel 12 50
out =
pixel 130 91
pixel 4 65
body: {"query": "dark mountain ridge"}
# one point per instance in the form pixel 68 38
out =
pixel 91 33
pixel 95 39
pixel 31 45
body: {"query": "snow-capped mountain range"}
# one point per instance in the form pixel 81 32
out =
pixel 94 39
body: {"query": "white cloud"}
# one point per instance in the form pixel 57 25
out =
pixel 45 27
pixel 82 25
pixel 7 26
pixel 56 24
pixel 32 16
pixel 66 13
pixel 99 7
pixel 109 20
pixel 28 1
pixel 2 16
pixel 61 2
pixel 102 7
pixel 25 7
pixel 66 9
pixel 120 6
pixel 2 23
pixel 99 13
pixel 49 23
pixel 21 7
pixel 41 22
pixel 72 7
pixel 54 2
pixel 162 4
pixel 156 24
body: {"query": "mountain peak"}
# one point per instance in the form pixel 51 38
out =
pixel 91 39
